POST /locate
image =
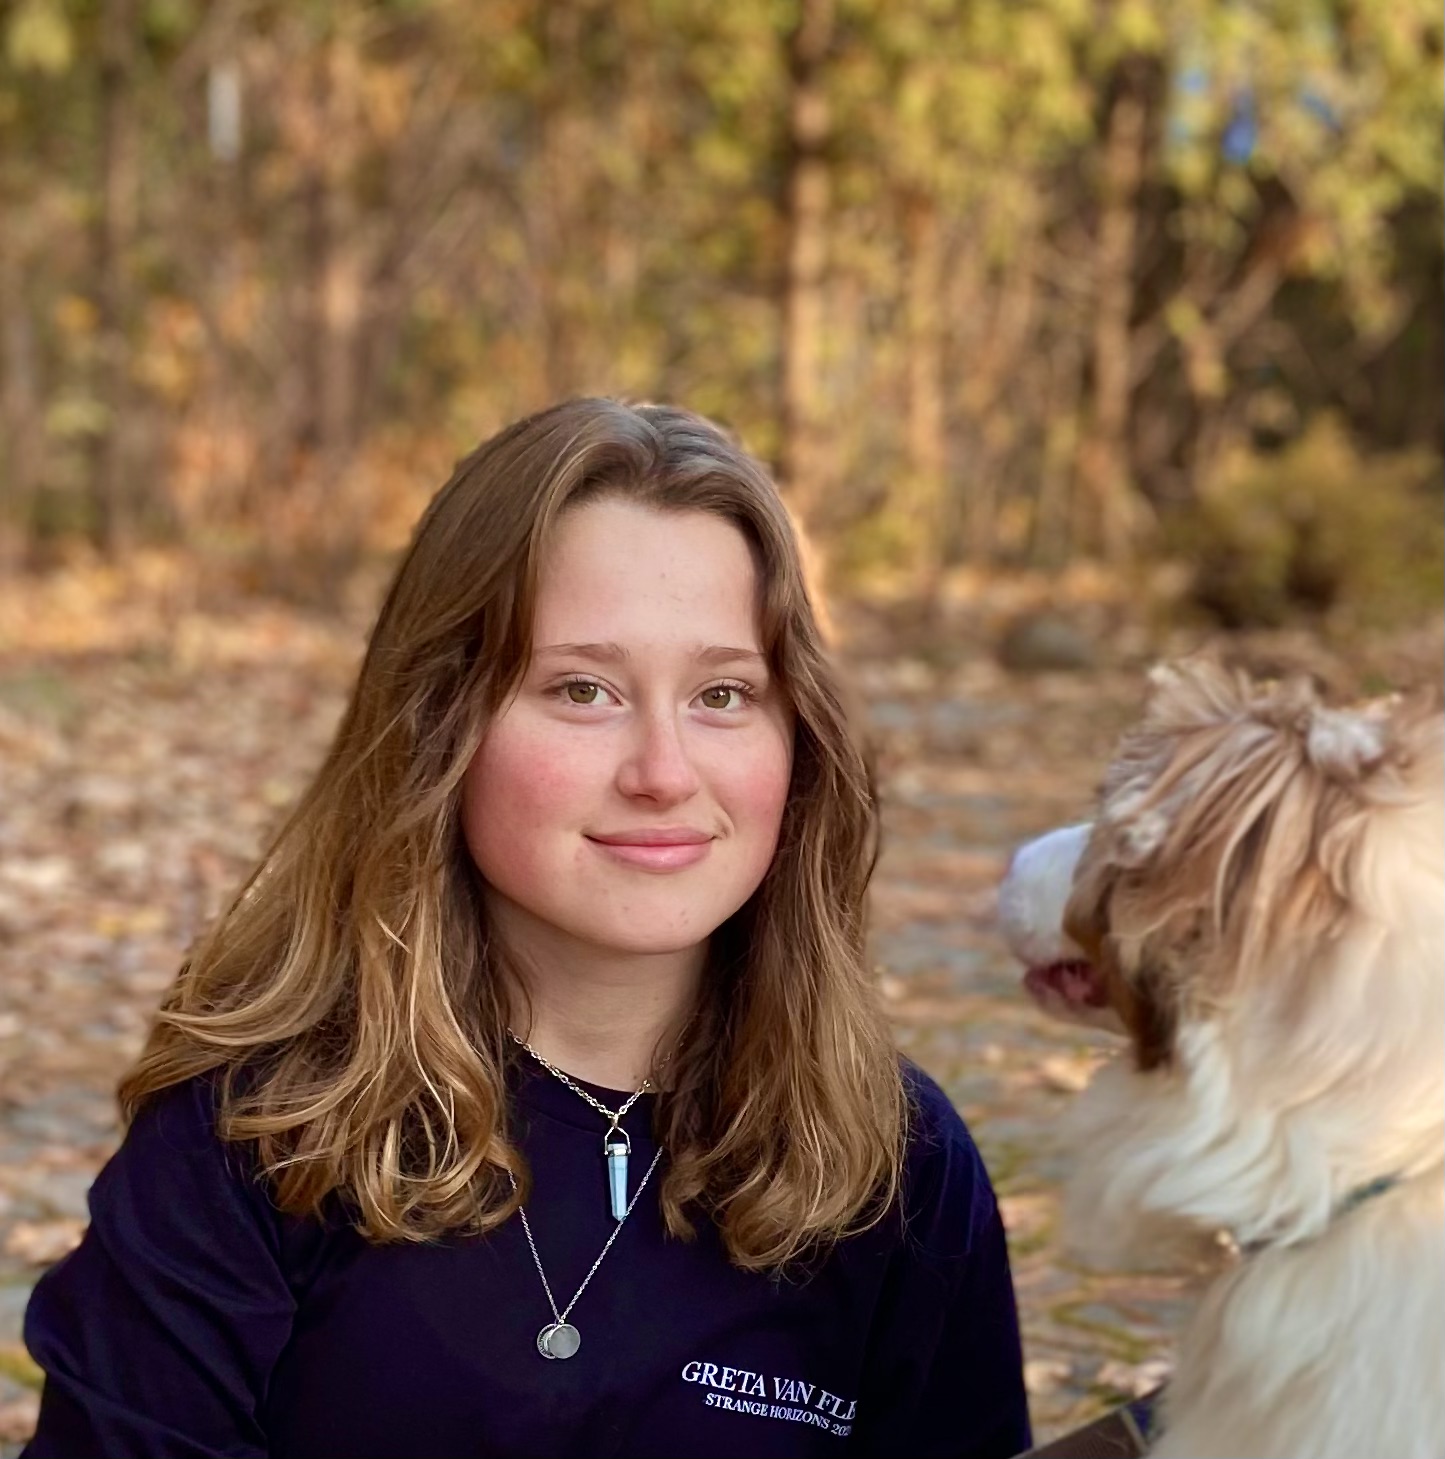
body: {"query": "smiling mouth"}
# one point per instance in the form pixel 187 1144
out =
pixel 655 850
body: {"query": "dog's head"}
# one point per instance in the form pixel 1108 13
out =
pixel 1247 836
pixel 1260 902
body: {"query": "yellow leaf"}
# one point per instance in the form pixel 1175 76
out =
pixel 38 38
pixel 75 314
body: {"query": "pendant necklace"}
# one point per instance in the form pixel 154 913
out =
pixel 559 1338
pixel 616 1146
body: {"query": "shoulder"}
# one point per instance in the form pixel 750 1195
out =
pixel 180 1123
pixel 177 1190
pixel 173 1158
pixel 948 1201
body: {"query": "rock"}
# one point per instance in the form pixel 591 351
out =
pixel 1045 642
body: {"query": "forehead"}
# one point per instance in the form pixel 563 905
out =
pixel 620 571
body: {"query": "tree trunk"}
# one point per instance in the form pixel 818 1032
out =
pixel 557 205
pixel 992 370
pixel 1106 500
pixel 113 501
pixel 21 440
pixel 927 450
pixel 335 284
pixel 801 453
pixel 1051 538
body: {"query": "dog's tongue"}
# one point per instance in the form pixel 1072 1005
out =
pixel 1077 982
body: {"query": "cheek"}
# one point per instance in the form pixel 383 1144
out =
pixel 515 787
pixel 755 788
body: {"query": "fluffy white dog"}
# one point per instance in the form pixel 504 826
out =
pixel 1260 907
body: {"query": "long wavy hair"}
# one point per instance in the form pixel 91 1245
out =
pixel 348 1002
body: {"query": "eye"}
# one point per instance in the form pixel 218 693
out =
pixel 585 692
pixel 725 697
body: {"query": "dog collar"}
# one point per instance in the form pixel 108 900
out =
pixel 1363 1193
pixel 1353 1200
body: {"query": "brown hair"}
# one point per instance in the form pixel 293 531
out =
pixel 348 996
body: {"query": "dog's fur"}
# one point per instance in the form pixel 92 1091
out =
pixel 1263 895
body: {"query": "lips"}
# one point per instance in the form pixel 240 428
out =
pixel 662 836
pixel 664 848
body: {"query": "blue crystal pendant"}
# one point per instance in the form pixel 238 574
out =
pixel 616 1147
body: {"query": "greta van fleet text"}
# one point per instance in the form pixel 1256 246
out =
pixel 739 1390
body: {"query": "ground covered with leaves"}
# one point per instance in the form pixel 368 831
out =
pixel 147 747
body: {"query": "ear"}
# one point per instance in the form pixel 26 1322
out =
pixel 1148 1002
pixel 1344 745
pixel 1139 837
pixel 1137 829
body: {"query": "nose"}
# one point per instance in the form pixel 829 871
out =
pixel 658 766
pixel 1034 892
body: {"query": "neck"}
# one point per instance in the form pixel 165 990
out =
pixel 605 1018
pixel 614 1035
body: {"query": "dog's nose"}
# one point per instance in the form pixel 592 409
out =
pixel 1034 892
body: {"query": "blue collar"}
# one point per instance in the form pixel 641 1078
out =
pixel 1352 1201
pixel 1363 1193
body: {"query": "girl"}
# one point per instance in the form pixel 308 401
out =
pixel 531 1098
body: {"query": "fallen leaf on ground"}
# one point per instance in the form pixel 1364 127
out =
pixel 1043 1375
pixel 17 1418
pixel 42 1242
pixel 1069 1072
pixel 1134 1379
pixel 1026 1215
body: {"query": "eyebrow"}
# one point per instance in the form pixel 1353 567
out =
pixel 615 653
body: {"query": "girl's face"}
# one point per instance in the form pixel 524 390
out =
pixel 629 797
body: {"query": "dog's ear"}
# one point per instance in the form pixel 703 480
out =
pixel 1146 998
pixel 1343 744
pixel 1138 832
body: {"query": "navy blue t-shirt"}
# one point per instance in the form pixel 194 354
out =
pixel 194 1320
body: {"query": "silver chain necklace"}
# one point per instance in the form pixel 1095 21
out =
pixel 616 1144
pixel 559 1338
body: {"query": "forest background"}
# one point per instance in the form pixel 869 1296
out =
pixel 1078 332
pixel 993 284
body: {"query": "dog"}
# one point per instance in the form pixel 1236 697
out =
pixel 1259 908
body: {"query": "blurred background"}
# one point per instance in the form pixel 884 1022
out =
pixel 1077 331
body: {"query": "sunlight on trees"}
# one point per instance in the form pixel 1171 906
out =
pixel 990 283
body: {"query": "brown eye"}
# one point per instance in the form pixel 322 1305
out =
pixel 580 693
pixel 718 697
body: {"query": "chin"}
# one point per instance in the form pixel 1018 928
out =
pixel 631 942
pixel 1259 909
pixel 646 930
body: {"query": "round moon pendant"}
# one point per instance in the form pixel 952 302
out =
pixel 559 1340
